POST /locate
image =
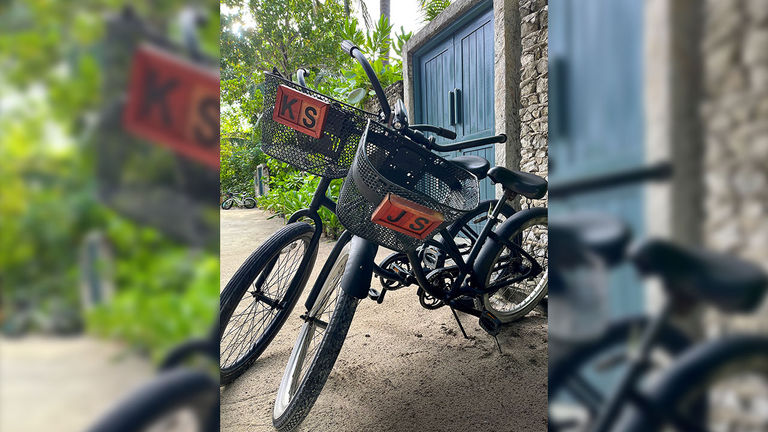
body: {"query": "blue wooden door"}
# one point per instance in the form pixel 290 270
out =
pixel 596 114
pixel 454 72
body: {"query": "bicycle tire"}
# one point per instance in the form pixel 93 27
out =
pixel 535 216
pixel 680 395
pixel 249 203
pixel 288 417
pixel 266 257
pixel 169 392
pixel 227 204
pixel 561 369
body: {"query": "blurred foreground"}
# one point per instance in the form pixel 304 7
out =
pixel 109 233
pixel 659 185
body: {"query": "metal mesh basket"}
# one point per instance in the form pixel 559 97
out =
pixel 388 164
pixel 328 156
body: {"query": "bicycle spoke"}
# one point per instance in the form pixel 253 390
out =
pixel 246 326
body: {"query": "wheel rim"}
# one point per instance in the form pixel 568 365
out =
pixel 311 335
pixel 260 305
pixel 512 299
pixel 182 419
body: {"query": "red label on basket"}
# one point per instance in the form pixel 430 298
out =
pixel 406 216
pixel 299 111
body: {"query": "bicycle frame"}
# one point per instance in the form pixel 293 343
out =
pixel 466 282
pixel 638 363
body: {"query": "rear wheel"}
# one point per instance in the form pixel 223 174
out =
pixel 180 400
pixel 721 386
pixel 260 296
pixel 317 347
pixel 249 203
pixel 513 301
pixel 582 377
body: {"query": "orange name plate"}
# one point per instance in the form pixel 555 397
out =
pixel 406 216
pixel 299 111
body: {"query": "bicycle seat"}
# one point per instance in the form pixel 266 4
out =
pixel 526 184
pixel 475 164
pixel 603 235
pixel 726 282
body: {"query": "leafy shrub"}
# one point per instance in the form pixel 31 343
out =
pixel 164 291
pixel 291 190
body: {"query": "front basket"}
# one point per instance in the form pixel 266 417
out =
pixel 398 194
pixel 321 141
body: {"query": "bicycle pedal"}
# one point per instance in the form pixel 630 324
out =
pixel 375 295
pixel 490 323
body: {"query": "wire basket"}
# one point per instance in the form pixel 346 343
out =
pixel 398 194
pixel 325 134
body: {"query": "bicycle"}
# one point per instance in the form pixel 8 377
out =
pixel 411 193
pixel 278 270
pixel 239 200
pixel 630 349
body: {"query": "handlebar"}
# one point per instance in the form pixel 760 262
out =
pixel 300 73
pixel 657 172
pixel 445 133
pixel 355 53
pixel 420 138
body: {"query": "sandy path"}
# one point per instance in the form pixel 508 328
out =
pixel 402 368
pixel 63 384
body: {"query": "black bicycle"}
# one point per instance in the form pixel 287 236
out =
pixel 597 385
pixel 400 195
pixel 320 135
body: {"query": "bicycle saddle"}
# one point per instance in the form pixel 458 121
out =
pixel 475 164
pixel 727 283
pixel 526 184
pixel 603 235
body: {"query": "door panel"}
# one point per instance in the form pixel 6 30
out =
pixel 596 88
pixel 473 47
pixel 436 73
pixel 461 59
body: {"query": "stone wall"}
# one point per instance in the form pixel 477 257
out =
pixel 533 88
pixel 734 113
pixel 393 93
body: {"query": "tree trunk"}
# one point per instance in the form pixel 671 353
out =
pixel 384 6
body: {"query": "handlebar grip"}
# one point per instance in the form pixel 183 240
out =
pixel 445 133
pixel 300 73
pixel 348 46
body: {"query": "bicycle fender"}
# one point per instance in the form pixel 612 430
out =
pixel 491 246
pixel 695 366
pixel 357 274
pixel 329 262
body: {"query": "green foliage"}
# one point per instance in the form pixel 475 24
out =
pixel 164 298
pixel 239 159
pixel 353 85
pixel 432 8
pixel 291 190
pixel 51 83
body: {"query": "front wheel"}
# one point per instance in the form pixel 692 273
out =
pixel 227 204
pixel 317 347
pixel 514 300
pixel 258 299
pixel 183 400
pixel 249 203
